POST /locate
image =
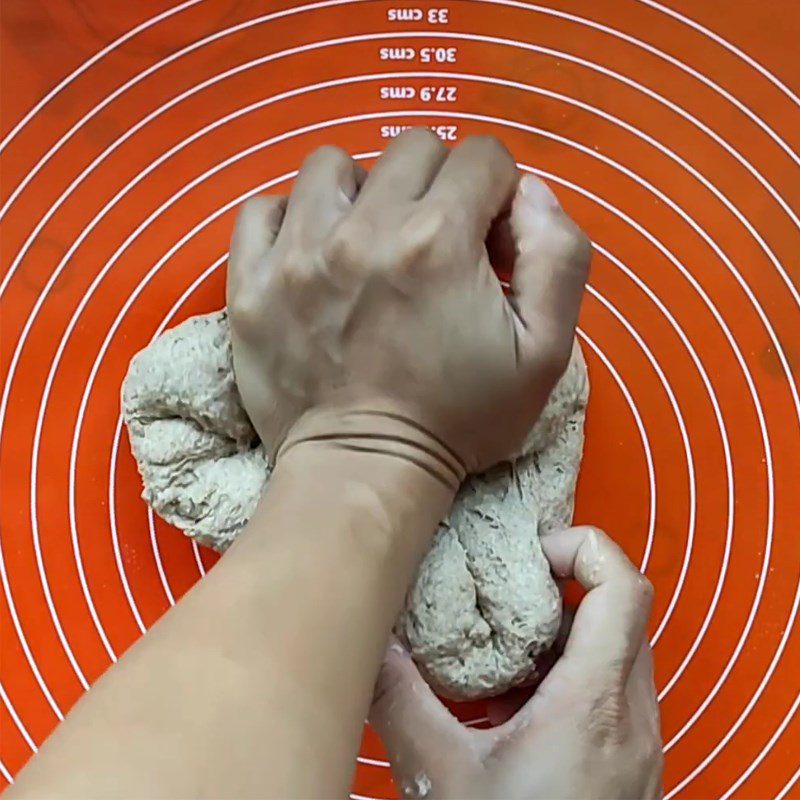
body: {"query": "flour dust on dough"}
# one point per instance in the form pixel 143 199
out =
pixel 483 606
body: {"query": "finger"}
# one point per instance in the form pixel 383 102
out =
pixel 645 718
pixel 405 170
pixel 257 226
pixel 550 269
pixel 609 624
pixel 323 192
pixel 418 732
pixel 641 693
pixel 478 179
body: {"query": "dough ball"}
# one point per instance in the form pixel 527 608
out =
pixel 483 605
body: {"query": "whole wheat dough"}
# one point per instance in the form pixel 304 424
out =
pixel 483 606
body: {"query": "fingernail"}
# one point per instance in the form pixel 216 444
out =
pixel 395 646
pixel 538 193
pixel 593 544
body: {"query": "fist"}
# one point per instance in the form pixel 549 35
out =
pixel 365 311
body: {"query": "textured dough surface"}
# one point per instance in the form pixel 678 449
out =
pixel 483 606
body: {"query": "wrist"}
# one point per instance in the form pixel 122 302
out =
pixel 382 432
pixel 390 503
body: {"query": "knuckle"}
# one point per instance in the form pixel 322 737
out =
pixel 645 590
pixel 265 213
pixel 438 223
pixel 497 157
pixel 640 591
pixel 296 267
pixel 244 310
pixel 345 248
pixel 424 237
pixel 656 753
pixel 599 534
pixel 573 245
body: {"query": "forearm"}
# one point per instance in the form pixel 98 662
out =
pixel 257 683
pixel 340 536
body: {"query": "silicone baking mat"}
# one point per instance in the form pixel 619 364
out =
pixel 132 130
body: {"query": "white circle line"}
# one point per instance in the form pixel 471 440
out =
pixel 751 617
pixel 23 640
pixel 789 784
pixel 764 751
pixel 653 50
pixel 510 3
pixel 349 80
pixel 720 40
pixel 647 138
pixel 724 438
pixel 595 348
pixel 470 37
pixel 160 568
pixel 117 435
pixel 753 699
pixel 373 762
pixel 12 712
pixel 149 71
pixel 151 273
pixel 613 310
pixel 61 85
pixel 724 43
pixel 720 196
pixel 112 513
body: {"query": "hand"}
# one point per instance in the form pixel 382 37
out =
pixel 591 728
pixel 365 312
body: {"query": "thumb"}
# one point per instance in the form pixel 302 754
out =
pixel 418 732
pixel 550 269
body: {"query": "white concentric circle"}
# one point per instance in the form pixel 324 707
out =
pixel 735 347
pixel 468 116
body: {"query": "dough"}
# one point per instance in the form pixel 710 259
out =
pixel 483 606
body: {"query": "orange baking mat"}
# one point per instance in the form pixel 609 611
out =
pixel 132 130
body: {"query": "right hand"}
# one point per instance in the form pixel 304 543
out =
pixel 590 730
pixel 364 310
